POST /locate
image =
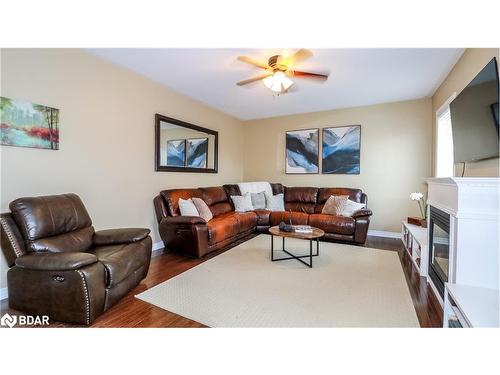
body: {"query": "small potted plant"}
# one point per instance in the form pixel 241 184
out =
pixel 420 221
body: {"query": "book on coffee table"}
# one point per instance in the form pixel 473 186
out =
pixel 302 229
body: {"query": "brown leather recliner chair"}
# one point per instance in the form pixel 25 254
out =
pixel 60 267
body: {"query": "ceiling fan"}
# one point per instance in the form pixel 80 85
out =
pixel 279 69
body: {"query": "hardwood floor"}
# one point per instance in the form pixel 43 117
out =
pixel 132 312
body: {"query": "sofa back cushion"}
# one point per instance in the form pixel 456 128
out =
pixel 53 223
pixel 231 189
pixel 355 195
pixel 301 199
pixel 277 188
pixel 216 199
pixel 172 196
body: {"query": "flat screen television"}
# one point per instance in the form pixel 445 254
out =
pixel 474 117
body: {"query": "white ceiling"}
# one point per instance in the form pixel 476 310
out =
pixel 357 77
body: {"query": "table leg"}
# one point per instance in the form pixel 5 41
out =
pixel 272 248
pixel 310 253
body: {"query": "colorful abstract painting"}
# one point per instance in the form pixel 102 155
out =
pixel 341 150
pixel 26 124
pixel 176 153
pixel 302 151
pixel 197 149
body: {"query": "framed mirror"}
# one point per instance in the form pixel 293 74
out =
pixel 184 147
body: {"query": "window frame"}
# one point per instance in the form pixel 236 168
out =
pixel 444 107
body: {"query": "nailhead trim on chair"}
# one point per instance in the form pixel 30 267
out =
pixel 10 236
pixel 87 303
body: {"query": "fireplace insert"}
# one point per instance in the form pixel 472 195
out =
pixel 439 240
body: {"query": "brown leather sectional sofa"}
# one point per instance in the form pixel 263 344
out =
pixel 195 237
pixel 61 267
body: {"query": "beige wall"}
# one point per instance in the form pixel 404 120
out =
pixel 107 137
pixel 395 154
pixel 464 71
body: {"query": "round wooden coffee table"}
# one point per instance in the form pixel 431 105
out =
pixel 315 235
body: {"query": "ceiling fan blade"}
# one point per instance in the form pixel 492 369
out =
pixel 301 55
pixel 300 74
pixel 251 61
pixel 250 80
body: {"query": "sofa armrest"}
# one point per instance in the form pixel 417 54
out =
pixel 185 234
pixel 183 220
pixel 361 213
pixel 117 236
pixel 46 261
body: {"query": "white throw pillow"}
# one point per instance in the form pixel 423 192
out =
pixel 351 207
pixel 258 200
pixel 187 207
pixel 242 203
pixel 275 202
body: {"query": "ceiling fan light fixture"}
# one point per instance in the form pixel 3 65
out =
pixel 278 82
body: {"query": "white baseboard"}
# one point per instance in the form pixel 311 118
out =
pixel 156 249
pixel 382 233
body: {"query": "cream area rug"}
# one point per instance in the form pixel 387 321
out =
pixel 348 286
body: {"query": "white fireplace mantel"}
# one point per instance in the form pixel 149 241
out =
pixel 466 197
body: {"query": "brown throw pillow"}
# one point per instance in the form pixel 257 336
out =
pixel 203 209
pixel 334 205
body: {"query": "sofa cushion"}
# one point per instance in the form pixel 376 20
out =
pixel 213 195
pixel 202 209
pixel 335 204
pixel 51 215
pixel 187 207
pixel 351 207
pixel 222 227
pixel 120 261
pixel 242 203
pixel 355 195
pixel 298 218
pixel 255 187
pixel 307 208
pixel 277 188
pixel 246 220
pixel 75 241
pixel 262 216
pixel 55 262
pixel 301 199
pixel 275 202
pixel 231 189
pixel 258 200
pixel 333 224
pixel 172 196
pixel 216 199
pixel 119 235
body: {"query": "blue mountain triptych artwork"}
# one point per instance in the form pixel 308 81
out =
pixel 187 152
pixel 341 150
pixel 302 151
pixel 176 153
